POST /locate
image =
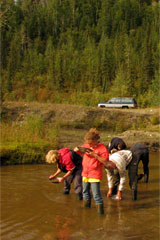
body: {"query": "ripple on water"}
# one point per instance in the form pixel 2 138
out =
pixel 11 229
pixel 57 198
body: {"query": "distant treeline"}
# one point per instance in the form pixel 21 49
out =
pixel 80 51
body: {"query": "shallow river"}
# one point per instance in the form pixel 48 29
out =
pixel 33 208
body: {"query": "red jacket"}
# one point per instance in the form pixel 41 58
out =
pixel 65 160
pixel 92 168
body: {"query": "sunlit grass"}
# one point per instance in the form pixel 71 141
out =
pixel 27 141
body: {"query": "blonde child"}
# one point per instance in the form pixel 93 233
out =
pixel 70 163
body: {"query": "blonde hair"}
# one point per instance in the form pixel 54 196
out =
pixel 92 135
pixel 52 156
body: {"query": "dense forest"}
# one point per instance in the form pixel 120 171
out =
pixel 80 51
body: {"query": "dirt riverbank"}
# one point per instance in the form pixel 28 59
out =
pixel 133 125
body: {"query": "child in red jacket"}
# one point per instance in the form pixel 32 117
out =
pixel 70 163
pixel 94 157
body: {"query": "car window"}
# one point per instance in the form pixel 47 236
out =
pixel 128 100
pixel 121 101
pixel 117 100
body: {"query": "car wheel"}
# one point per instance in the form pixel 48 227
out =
pixel 125 107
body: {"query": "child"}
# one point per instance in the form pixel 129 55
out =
pixel 70 163
pixel 93 159
pixel 116 171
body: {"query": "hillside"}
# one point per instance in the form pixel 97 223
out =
pixel 80 52
pixel 134 125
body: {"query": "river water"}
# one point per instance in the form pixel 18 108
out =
pixel 33 208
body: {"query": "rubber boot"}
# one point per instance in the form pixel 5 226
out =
pixel 66 192
pixel 100 208
pixel 80 196
pixel 140 176
pixel 134 194
pixel 86 203
pixel 134 190
pixel 146 176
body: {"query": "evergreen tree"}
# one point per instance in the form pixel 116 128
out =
pixel 108 47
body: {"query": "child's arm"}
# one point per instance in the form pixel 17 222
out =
pixel 56 174
pixel 81 150
pixel 66 175
pixel 76 149
pixel 100 159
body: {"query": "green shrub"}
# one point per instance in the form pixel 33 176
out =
pixel 27 142
pixel 155 119
pixel 34 125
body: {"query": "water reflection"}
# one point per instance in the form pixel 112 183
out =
pixel 62 226
pixel 32 208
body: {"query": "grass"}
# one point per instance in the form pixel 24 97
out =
pixel 27 142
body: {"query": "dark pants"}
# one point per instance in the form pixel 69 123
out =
pixel 116 182
pixel 139 152
pixel 77 178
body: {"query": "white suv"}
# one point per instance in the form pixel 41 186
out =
pixel 124 102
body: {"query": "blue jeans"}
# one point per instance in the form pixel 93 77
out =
pixel 95 186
